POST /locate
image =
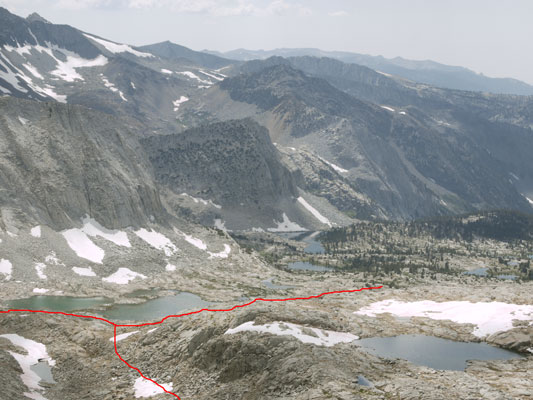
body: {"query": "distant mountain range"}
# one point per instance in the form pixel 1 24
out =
pixel 429 72
pixel 131 134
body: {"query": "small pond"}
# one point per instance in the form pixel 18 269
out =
pixel 269 284
pixel 313 245
pixel 434 352
pixel 305 266
pixel 477 272
pixel 484 272
pixel 44 371
pixel 155 309
pixel 58 303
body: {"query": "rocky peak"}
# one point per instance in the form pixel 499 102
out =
pixel 34 17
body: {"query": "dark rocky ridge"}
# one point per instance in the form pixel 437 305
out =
pixel 409 163
pixel 232 163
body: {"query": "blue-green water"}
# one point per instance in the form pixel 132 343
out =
pixel 305 266
pixel 269 284
pixel 148 310
pixel 155 309
pixel 58 303
pixel 434 352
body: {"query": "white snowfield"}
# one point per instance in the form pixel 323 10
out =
pixel 530 200
pixel 334 166
pixel 179 101
pixel 198 243
pixel 40 291
pixel 319 337
pixel 123 276
pixel 157 240
pixel 36 231
pixel 202 201
pixel 192 75
pixel 219 224
pixel 118 48
pixel 145 388
pixel 65 70
pixel 223 254
pixel 166 71
pixel 6 268
pixel 211 75
pixel 489 318
pixel 78 239
pixel 35 352
pixel 123 336
pixel 83 246
pixel 39 269
pixel 83 271
pixel 92 228
pixel 111 86
pixel 286 226
pixel 388 108
pixel 314 211
pixel 170 267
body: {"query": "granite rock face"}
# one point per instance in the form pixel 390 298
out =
pixel 60 163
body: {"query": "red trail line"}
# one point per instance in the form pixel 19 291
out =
pixel 115 325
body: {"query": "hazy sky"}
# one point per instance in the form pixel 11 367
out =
pixel 489 36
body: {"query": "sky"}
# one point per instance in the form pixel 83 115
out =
pixel 492 37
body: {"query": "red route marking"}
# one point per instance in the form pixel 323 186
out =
pixel 115 325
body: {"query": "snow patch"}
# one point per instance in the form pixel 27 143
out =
pixel 219 224
pixel 36 231
pixel 286 226
pixel 83 271
pixel 32 70
pixel 489 318
pixel 192 75
pixel 223 254
pixel 335 167
pixel 118 48
pixel 530 200
pixel 111 86
pixel 202 201
pixel 166 71
pixel 145 388
pixel 314 211
pixel 6 268
pixel 123 276
pixel 123 336
pixel 40 291
pixel 157 240
pixel 35 352
pixel 39 269
pixel 178 102
pixel 170 267
pixel 314 336
pixel 67 70
pixel 198 243
pixel 402 113
pixel 218 78
pixel 83 246
pixel 388 108
pixel 92 228
pixel 52 259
